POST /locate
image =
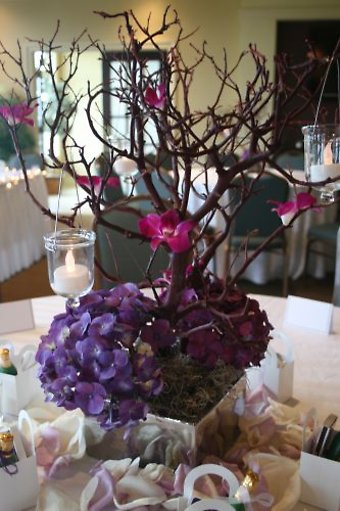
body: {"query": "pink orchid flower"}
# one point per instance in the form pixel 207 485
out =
pixel 96 182
pixel 167 228
pixel 288 210
pixel 155 98
pixel 17 114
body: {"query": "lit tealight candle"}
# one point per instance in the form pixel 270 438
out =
pixel 323 171
pixel 71 278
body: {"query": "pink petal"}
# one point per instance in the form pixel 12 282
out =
pixel 179 243
pixel 305 200
pixel 184 227
pixel 161 90
pixel 155 98
pixel 96 181
pixel 284 207
pixel 83 180
pixel 155 242
pixel 169 220
pixel 18 113
pixel 149 226
pixel 114 182
pixel 161 93
pixel 150 96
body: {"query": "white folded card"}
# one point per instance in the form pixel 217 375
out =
pixel 16 316
pixel 308 313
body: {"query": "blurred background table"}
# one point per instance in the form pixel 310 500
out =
pixel 22 224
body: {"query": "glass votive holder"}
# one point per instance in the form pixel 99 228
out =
pixel 322 157
pixel 70 261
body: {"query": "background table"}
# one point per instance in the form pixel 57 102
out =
pixel 22 225
pixel 316 375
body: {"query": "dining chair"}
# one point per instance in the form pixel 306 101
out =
pixel 31 161
pixel 292 159
pixel 161 159
pixel 227 159
pixel 255 221
pixel 160 183
pixel 125 257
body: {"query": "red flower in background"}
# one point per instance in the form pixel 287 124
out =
pixel 167 228
pixel 18 114
pixel 96 182
pixel 155 98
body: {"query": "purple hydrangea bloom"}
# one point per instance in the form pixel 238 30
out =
pixel 159 334
pixel 90 397
pixel 102 356
pixel 90 358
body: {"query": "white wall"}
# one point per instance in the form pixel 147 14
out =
pixel 232 24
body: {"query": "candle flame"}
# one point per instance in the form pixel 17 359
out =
pixel 328 155
pixel 69 261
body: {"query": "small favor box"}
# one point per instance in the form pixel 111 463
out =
pixel 278 370
pixel 20 490
pixel 18 391
pixel 320 482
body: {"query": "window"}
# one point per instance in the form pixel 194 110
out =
pixel 117 72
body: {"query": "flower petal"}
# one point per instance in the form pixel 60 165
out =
pixel 149 226
pixel 179 243
pixel 150 97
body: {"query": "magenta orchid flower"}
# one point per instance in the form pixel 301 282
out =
pixel 155 98
pixel 288 210
pixel 96 182
pixel 167 228
pixel 17 114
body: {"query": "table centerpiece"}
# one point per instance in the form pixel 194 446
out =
pixel 176 342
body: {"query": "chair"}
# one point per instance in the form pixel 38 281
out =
pixel 255 221
pixel 161 159
pixel 31 160
pixel 124 256
pixel 227 159
pixel 327 234
pixel 161 187
pixel 292 159
pixel 110 194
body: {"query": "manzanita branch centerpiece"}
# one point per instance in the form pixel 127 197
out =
pixel 172 344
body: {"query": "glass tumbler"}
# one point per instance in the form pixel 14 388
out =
pixel 322 157
pixel 70 261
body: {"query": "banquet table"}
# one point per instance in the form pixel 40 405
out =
pixel 267 266
pixel 316 375
pixel 22 224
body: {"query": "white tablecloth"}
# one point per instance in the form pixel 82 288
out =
pixel 316 371
pixel 22 225
pixel 268 266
